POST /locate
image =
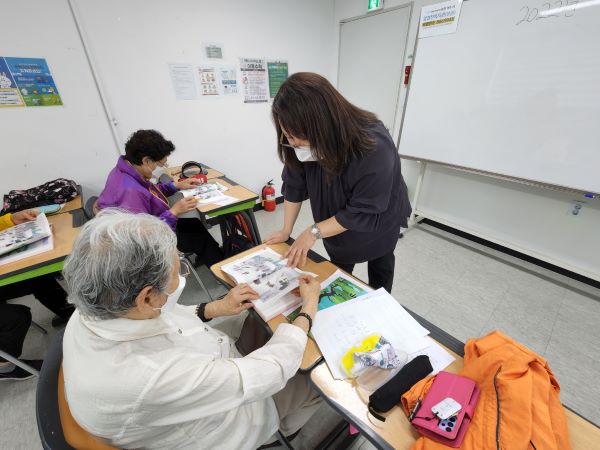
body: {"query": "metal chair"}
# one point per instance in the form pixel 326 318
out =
pixel 90 207
pixel 52 412
pixel 46 404
pixel 18 362
pixel 188 257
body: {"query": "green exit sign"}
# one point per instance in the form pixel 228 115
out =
pixel 374 5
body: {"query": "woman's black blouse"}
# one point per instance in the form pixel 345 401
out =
pixel 369 199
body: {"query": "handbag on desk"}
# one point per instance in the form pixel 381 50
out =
pixel 447 391
pixel 57 191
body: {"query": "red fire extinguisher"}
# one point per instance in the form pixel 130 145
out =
pixel 268 197
pixel 407 74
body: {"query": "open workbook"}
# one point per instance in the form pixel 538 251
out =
pixel 26 239
pixel 210 192
pixel 267 273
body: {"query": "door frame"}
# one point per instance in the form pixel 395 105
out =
pixel 408 5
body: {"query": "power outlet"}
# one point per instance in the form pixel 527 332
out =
pixel 576 208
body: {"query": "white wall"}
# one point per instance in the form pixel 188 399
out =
pixel 530 219
pixel 133 41
pixel 42 143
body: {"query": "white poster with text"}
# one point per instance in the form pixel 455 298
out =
pixel 184 85
pixel 441 18
pixel 254 80
pixel 208 80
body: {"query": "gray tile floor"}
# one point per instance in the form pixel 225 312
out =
pixel 462 287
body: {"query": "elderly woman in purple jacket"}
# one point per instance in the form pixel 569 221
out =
pixel 128 186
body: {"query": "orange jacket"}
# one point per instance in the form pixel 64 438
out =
pixel 519 407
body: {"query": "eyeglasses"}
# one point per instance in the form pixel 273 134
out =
pixel 184 266
pixel 281 138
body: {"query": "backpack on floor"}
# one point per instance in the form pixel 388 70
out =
pixel 239 234
pixel 53 192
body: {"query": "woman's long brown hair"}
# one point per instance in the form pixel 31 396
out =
pixel 308 107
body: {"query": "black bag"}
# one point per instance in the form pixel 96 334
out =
pixel 53 192
pixel 239 234
pixel 388 395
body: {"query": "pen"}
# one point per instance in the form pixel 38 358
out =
pixel 414 410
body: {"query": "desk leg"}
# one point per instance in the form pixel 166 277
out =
pixel 207 225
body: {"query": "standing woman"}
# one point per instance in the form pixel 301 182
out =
pixel 344 160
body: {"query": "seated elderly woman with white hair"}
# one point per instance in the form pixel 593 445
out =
pixel 144 372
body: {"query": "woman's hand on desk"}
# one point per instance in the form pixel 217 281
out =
pixel 189 183
pixel 277 237
pixel 237 300
pixel 298 251
pixel 24 216
pixel 184 205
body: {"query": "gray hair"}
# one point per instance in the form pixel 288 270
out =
pixel 115 256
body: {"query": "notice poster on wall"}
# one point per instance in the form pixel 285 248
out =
pixel 278 72
pixel 212 50
pixel 438 19
pixel 9 93
pixel 184 84
pixel 208 80
pixel 254 80
pixel 34 81
pixel 229 83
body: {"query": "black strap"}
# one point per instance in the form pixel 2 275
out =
pixel 374 413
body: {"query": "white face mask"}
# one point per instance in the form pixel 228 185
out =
pixel 172 297
pixel 304 154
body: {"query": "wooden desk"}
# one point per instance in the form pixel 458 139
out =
pixel 48 262
pixel 396 432
pixel 175 172
pixel 245 200
pixel 71 205
pixel 323 270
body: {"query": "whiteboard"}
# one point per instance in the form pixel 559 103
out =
pixel 371 61
pixel 513 92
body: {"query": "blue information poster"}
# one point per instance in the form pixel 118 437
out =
pixel 34 81
pixel 9 93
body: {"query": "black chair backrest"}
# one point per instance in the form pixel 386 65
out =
pixel 88 208
pixel 46 404
pixel 251 221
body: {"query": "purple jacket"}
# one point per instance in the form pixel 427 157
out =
pixel 126 188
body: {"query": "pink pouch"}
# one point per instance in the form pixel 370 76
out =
pixel 452 431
